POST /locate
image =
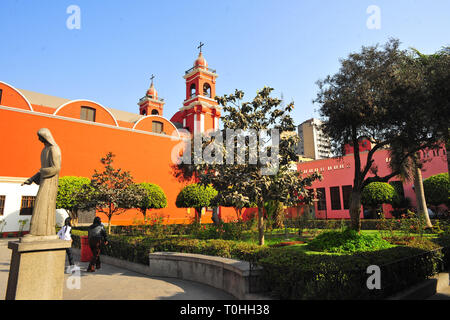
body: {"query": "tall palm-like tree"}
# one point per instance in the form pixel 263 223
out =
pixel 411 170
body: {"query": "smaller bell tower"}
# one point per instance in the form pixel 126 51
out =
pixel 150 104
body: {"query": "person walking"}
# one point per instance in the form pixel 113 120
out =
pixel 65 234
pixel 96 237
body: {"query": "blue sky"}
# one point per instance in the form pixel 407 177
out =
pixel 287 45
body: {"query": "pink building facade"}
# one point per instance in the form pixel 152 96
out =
pixel 338 174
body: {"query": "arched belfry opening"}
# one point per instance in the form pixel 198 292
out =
pixel 192 90
pixel 207 90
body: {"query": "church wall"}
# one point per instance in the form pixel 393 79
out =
pixel 147 156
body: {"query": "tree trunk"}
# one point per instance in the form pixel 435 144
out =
pixel 215 216
pixel 198 215
pixel 447 149
pixel 73 214
pixel 355 210
pixel 261 224
pixel 422 209
pixel 238 213
pixel 279 214
pixel 109 224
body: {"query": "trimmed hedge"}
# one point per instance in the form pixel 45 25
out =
pixel 437 189
pixel 366 224
pixel 289 274
pixel 137 249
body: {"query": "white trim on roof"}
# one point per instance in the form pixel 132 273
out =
pixel 90 101
pixel 156 116
pixel 28 102
pixel 48 115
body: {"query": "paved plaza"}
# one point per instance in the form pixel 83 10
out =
pixel 112 283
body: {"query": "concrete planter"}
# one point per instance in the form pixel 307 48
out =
pixel 229 275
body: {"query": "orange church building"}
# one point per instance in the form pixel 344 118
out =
pixel 143 142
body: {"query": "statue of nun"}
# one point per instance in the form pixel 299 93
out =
pixel 43 217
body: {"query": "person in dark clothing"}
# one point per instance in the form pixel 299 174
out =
pixel 96 237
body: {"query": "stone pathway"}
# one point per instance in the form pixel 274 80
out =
pixel 112 283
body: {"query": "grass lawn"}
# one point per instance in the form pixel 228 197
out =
pixel 278 236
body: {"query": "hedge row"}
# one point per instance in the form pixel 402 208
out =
pixel 137 249
pixel 295 275
pixel 366 224
pixel 292 274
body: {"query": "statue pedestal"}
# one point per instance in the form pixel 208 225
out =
pixel 37 269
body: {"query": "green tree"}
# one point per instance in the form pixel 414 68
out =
pixel 370 97
pixel 435 75
pixel 420 93
pixel 68 196
pixel 377 193
pixel 233 199
pixel 153 197
pixel 437 189
pixel 111 191
pixel 196 196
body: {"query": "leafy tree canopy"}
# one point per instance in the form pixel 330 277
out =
pixel 437 189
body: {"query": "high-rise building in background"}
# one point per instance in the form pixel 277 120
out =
pixel 314 144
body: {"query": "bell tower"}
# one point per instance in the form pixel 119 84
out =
pixel 150 104
pixel 200 112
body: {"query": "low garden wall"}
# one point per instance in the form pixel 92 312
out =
pixel 232 276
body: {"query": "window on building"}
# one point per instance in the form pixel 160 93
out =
pixel 26 208
pixel 1 92
pixel 193 91
pixel 346 192
pixel 87 114
pixel 157 127
pixel 155 112
pixel 143 112
pixel 207 90
pixel 322 200
pixel 2 204
pixel 335 198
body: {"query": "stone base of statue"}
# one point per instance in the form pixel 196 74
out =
pixel 37 268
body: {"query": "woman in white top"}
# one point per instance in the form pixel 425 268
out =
pixel 64 234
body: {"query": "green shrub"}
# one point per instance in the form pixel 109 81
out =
pixel 377 193
pixel 136 249
pixel 290 274
pixel 223 230
pixel 196 196
pixel 347 241
pixel 437 189
pixel 154 197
